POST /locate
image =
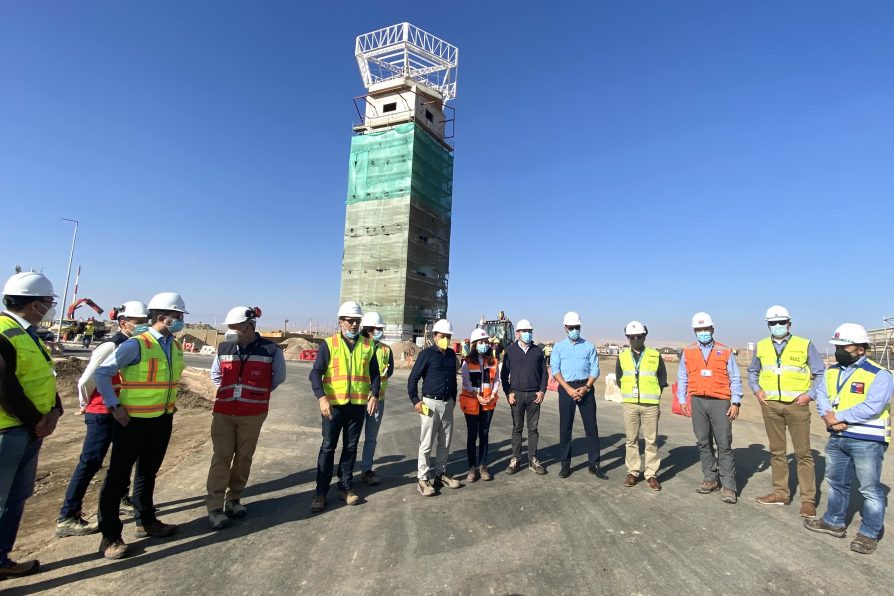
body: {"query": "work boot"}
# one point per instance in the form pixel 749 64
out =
pixel 349 496
pixel 513 466
pixel 537 466
pixel 318 504
pixel 11 569
pixel 708 486
pixel 631 480
pixel 565 471
pixel 728 496
pixel 75 525
pixel 235 509
pixel 818 524
pixel 773 499
pixel 472 476
pixel 425 488
pixel 598 473
pixel 654 484
pixel 217 519
pixel 448 481
pixel 864 544
pixel 485 474
pixel 370 478
pixel 112 549
pixel 808 509
pixel 156 529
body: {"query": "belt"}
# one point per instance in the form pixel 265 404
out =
pixel 435 397
pixel 577 383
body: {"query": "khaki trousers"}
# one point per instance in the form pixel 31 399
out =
pixel 641 418
pixel 233 439
pixel 777 417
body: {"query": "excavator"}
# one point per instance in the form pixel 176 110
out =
pixel 72 327
pixel 69 314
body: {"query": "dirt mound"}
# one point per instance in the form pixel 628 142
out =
pixel 196 390
pixel 293 347
pixel 404 353
pixel 197 343
pixel 68 371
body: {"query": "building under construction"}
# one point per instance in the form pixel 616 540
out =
pixel 400 180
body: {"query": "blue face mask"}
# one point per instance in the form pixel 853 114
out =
pixel 482 348
pixel 176 325
pixel 141 328
pixel 574 334
pixel 704 337
pixel 351 334
pixel 527 336
pixel 779 330
pixel 378 335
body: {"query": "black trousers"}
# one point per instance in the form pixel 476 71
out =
pixel 525 408
pixel 587 407
pixel 143 441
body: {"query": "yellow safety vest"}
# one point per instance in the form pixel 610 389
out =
pixel 786 376
pixel 852 391
pixel 382 354
pixel 34 370
pixel 346 379
pixel 149 387
pixel 639 381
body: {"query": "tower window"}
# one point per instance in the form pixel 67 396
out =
pixel 389 107
pixel 429 116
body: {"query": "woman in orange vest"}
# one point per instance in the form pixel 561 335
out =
pixel 481 382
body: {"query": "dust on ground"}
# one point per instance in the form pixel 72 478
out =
pixel 60 452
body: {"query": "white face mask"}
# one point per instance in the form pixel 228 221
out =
pixel 231 335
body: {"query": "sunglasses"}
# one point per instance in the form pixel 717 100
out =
pixel 636 337
pixel 573 327
pixel 774 323
pixel 351 322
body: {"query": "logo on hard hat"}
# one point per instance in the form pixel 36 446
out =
pixel 837 335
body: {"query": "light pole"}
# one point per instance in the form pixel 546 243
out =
pixel 74 239
pixel 285 329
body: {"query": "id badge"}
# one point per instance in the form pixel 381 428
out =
pixel 707 372
pixel 778 370
pixel 636 392
pixel 237 391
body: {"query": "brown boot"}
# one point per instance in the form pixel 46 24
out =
pixel 864 544
pixel 773 499
pixel 485 475
pixel 631 480
pixel 472 476
pixel 808 509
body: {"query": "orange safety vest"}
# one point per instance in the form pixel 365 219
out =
pixel 481 379
pixel 708 379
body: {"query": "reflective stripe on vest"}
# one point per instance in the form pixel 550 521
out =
pixel 346 379
pixel 34 370
pixel 847 393
pixel 383 353
pixel 786 376
pixel 149 387
pixel 245 380
pixel 708 378
pixel 639 381
pixel 483 380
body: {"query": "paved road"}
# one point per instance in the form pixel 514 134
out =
pixel 522 534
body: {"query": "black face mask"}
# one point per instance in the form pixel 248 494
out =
pixel 638 344
pixel 845 358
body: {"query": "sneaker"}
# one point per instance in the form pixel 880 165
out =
pixel 156 529
pixel 449 482
pixel 318 504
pixel 217 519
pixel 537 466
pixel 513 466
pixel 708 486
pixel 808 509
pixel 773 499
pixel 370 478
pixel 75 525
pixel 472 476
pixel 112 549
pixel 11 569
pixel 126 507
pixel 485 474
pixel 235 509
pixel 728 496
pixel 349 497
pixel 425 488
pixel 819 525
pixel 864 544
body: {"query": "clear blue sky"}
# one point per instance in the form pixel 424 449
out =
pixel 629 160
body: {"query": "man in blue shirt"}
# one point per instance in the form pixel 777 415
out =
pixel 575 367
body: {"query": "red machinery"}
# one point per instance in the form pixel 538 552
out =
pixel 69 314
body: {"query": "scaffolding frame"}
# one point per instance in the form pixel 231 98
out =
pixel 884 355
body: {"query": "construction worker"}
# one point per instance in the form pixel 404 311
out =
pixel 436 368
pixel 576 368
pixel 643 377
pixel 481 383
pixel 149 366
pixel 709 375
pixel 466 348
pixel 855 403
pixel 373 327
pixel 132 317
pixel 547 352
pixel 781 375
pixel 345 380
pixel 246 370
pixel 87 337
pixel 524 380
pixel 29 404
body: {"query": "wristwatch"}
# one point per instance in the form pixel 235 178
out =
pixel 111 409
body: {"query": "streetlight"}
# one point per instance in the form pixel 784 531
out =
pixel 67 276
pixel 285 329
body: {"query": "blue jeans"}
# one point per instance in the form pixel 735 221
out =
pixel 370 437
pixel 96 445
pixel 18 469
pixel 477 431
pixel 347 422
pixel 845 459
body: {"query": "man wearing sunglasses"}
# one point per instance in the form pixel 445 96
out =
pixel 345 380
pixel 783 375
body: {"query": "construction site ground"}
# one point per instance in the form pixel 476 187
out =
pixel 520 534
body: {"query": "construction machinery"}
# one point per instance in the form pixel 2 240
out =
pixel 70 313
pixel 500 328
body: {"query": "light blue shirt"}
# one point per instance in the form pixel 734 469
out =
pixel 279 368
pixel 732 369
pixel 576 361
pixel 814 362
pixel 878 394
pixel 127 354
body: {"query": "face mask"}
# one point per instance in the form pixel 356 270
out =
pixel 574 334
pixel 845 358
pixel 527 336
pixel 49 315
pixel 378 335
pixel 141 328
pixel 779 330
pixel 175 326
pixel 637 344
pixel 704 337
pixel 351 334
pixel 443 342
pixel 482 348
pixel 231 335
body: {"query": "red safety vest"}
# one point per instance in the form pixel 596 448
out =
pixel 707 379
pixel 481 379
pixel 245 379
pixel 95 405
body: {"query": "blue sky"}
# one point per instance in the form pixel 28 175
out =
pixel 629 160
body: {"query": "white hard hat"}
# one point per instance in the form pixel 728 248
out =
pixel 524 325
pixel 372 319
pixel 634 328
pixel 133 309
pixel 28 283
pixel 477 335
pixel 777 313
pixel 571 319
pixel 168 301
pixel 849 333
pixel 350 309
pixel 443 326
pixel 240 314
pixel 702 319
